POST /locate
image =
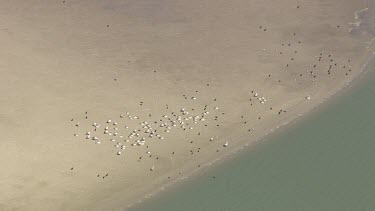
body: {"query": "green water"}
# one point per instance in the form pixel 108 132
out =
pixel 325 162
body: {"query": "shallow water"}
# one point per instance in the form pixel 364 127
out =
pixel 326 162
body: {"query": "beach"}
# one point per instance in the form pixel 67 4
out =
pixel 105 103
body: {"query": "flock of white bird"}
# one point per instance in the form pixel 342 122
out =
pixel 118 132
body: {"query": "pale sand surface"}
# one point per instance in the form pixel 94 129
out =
pixel 61 60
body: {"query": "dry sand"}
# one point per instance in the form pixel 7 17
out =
pixel 66 65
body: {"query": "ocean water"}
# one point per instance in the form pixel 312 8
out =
pixel 325 162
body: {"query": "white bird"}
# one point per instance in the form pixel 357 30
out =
pixel 118 153
pixel 226 144
pixel 109 120
pixel 152 168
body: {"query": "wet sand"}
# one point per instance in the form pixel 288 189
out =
pixel 106 102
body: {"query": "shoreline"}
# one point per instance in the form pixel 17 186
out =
pixel 250 145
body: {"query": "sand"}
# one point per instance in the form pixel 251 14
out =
pixel 69 66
